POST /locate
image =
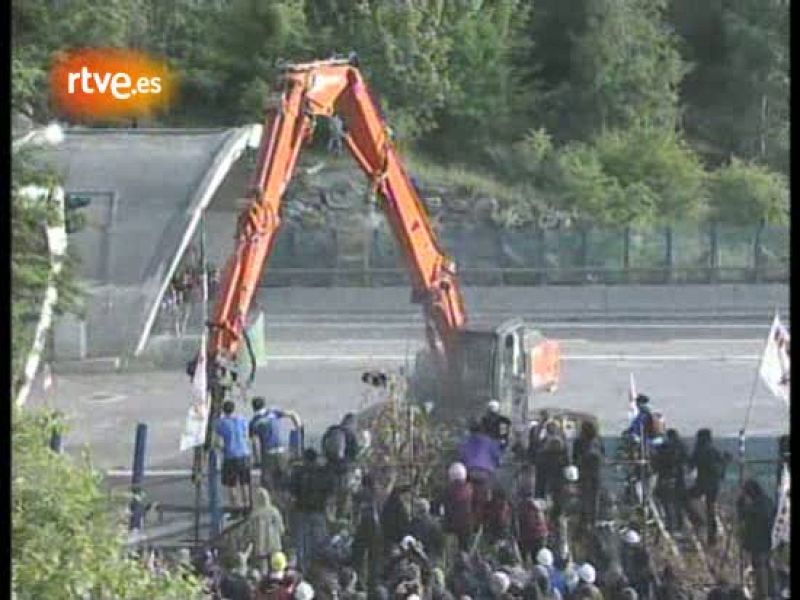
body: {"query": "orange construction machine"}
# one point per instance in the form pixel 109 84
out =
pixel 465 366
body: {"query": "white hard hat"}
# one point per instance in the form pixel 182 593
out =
pixel 587 573
pixel 457 472
pixel 631 537
pixel 303 591
pixel 493 406
pixel 571 473
pixel 545 557
pixel 499 582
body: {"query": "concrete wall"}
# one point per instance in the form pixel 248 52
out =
pixel 557 301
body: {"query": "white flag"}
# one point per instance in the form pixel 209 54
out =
pixel 47 377
pixel 781 529
pixel 774 369
pixel 194 431
pixel 633 410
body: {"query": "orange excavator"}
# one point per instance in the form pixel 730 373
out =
pixel 465 365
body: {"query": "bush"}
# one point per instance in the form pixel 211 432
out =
pixel 67 542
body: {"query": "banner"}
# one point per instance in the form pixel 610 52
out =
pixel 194 431
pixel 774 368
pixel 258 341
pixel 781 529
pixel 632 408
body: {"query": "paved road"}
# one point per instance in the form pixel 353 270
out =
pixel 699 375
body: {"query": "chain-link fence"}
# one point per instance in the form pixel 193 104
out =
pixel 489 256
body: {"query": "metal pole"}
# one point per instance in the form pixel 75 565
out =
pixel 137 506
pixel 197 475
pixel 741 482
pixel 213 494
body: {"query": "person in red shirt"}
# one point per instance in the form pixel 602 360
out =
pixel 458 500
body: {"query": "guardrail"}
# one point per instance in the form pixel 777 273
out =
pixel 512 276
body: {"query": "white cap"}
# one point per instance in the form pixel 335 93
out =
pixel 587 573
pixel 499 582
pixel 493 406
pixel 631 537
pixel 303 591
pixel 545 557
pixel 457 472
pixel 571 473
pixel 408 542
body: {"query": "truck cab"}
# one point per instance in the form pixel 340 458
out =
pixel 510 362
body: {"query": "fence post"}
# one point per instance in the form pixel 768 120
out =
pixel 757 252
pixel 626 254
pixel 213 494
pixel 584 253
pixel 137 506
pixel 669 258
pixel 713 254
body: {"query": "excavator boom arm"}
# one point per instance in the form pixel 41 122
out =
pixel 326 88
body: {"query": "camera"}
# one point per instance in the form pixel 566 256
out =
pixel 375 378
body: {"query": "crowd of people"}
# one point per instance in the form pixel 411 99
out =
pixel 510 517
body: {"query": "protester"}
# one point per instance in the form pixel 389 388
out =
pixel 532 527
pixel 587 454
pixel 396 517
pixel 755 511
pixel 311 486
pixel 496 425
pixel 458 505
pixel 642 426
pixel 340 446
pixel 269 528
pixel 480 454
pixel 265 432
pixel 637 565
pixel 669 463
pixel 710 464
pixel 551 458
pixel 232 430
pixel 587 588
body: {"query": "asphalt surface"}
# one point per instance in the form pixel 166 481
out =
pixel 697 375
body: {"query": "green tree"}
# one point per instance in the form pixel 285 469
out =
pixel 67 541
pixel 658 164
pixel 615 65
pixel 737 96
pixel 479 109
pixel 41 28
pixel 742 193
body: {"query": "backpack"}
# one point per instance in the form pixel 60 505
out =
pixel 334 444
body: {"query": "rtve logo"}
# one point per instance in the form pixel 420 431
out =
pixel 108 84
pixel 120 84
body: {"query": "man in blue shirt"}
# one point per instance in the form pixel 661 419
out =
pixel 232 430
pixel 266 435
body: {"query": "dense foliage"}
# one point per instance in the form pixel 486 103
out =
pixel 67 543
pixel 639 100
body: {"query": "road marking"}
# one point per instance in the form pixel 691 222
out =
pixel 544 325
pixel 576 357
pixel 105 398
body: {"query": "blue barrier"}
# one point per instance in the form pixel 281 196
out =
pixel 137 506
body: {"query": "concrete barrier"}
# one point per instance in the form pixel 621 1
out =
pixel 651 301
pixel 113 315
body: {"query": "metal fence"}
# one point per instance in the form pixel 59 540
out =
pixel 490 256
